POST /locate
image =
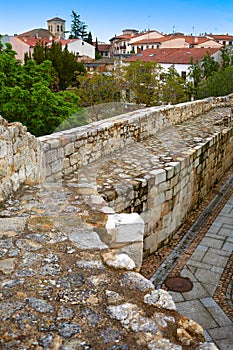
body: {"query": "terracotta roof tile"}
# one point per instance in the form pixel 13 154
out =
pixel 221 36
pixel 33 41
pixel 172 56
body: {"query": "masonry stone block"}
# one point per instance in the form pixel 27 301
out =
pixel 69 148
pixel 159 174
pixel 55 142
pixel 125 228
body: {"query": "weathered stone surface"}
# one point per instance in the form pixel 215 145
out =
pixel 134 280
pixel 7 266
pixel 86 240
pixel 191 326
pixel 125 228
pixel 119 261
pixel 160 298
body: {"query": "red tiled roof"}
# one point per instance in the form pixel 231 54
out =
pixel 172 56
pixel 221 36
pixel 39 32
pixel 122 36
pixel 103 47
pixel 196 39
pixel 33 41
pixel 66 41
pixel 155 40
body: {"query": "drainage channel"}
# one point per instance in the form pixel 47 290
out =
pixel 167 266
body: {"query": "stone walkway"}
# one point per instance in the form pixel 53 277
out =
pixel 205 268
pixel 208 268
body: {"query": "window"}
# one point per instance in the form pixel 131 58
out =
pixel 61 28
pixel 183 75
pixel 82 42
pixel 58 28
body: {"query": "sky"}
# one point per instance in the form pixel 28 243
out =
pixel 105 19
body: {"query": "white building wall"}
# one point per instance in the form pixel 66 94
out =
pixel 174 43
pixel 210 43
pixel 178 67
pixel 81 48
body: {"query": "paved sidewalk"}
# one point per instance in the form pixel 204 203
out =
pixel 205 268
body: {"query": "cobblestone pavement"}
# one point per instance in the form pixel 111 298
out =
pixel 205 268
pixel 208 264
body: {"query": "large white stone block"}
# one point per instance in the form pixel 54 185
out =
pixel 125 228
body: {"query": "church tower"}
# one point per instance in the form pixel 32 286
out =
pixel 56 26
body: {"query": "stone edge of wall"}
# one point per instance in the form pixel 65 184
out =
pixel 20 158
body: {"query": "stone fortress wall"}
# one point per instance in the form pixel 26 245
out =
pixel 67 151
pixel 164 194
pixel 20 156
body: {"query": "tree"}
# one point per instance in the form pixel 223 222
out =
pixel 65 64
pixel 96 91
pixel 173 87
pixel 97 54
pixel 209 65
pixel 89 39
pixel 26 96
pixel 218 84
pixel 195 72
pixel 78 28
pixel 143 81
pixel 200 71
pixel 226 58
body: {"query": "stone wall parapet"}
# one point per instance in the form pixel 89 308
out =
pixel 20 158
pixel 92 142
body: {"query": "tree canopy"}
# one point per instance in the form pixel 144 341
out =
pixel 78 28
pixel 211 78
pixel 65 64
pixel 97 90
pixel 26 95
